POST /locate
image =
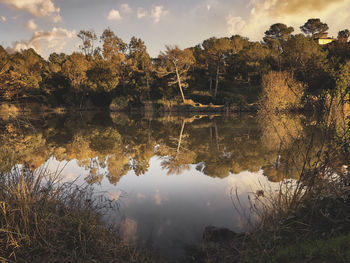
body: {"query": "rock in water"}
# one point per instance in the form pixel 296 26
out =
pixel 215 234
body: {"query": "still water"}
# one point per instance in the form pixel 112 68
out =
pixel 171 176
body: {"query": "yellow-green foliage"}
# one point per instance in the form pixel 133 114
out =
pixel 280 91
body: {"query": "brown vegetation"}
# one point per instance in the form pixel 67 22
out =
pixel 280 92
pixel 42 220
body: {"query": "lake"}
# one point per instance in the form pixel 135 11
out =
pixel 170 176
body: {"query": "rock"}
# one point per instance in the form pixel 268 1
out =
pixel 215 234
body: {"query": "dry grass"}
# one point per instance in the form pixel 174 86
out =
pixel 44 221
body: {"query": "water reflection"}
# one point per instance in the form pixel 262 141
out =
pixel 172 175
pixel 217 145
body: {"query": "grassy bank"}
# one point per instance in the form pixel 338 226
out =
pixel 311 228
pixel 305 220
pixel 44 221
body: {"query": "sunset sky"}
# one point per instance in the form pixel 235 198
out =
pixel 52 25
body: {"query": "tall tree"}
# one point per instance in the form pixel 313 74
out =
pixel 216 50
pixel 114 52
pixel 4 59
pixel 113 47
pixel 343 35
pixel 56 61
pixel 238 43
pixel 314 27
pixel 279 31
pixel 88 37
pixel 74 69
pixel 275 38
pixel 175 63
pixel 307 60
pixel 252 61
pixel 140 65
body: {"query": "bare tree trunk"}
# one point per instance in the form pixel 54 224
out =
pixel 180 138
pixel 217 81
pixel 148 88
pixel 216 135
pixel 149 130
pixel 211 85
pixel 180 86
pixel 81 101
pixel 211 134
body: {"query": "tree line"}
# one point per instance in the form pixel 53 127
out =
pixel 228 70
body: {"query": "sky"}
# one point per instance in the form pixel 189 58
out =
pixel 52 25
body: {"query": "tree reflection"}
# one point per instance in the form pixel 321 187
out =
pixel 217 146
pixel 177 156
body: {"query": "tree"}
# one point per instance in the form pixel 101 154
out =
pixel 88 37
pixel 342 77
pixel 56 61
pixel 4 60
pixel 141 67
pixel 252 61
pixel 216 51
pixel 11 86
pixel 279 31
pixel 75 69
pixel 101 78
pixel 275 38
pixel 114 52
pixel 314 27
pixel 305 59
pixel 175 63
pixel 238 43
pixel 343 35
pixel 113 47
pixel 21 74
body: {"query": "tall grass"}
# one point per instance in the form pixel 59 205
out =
pixel 312 210
pixel 43 220
pixel 306 219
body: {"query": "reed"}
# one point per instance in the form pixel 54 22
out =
pixel 44 220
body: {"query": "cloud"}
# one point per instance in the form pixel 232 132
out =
pixel 38 8
pixel 290 7
pixel 31 25
pixel 125 8
pixel 56 40
pixel 114 15
pixel 264 13
pixel 157 12
pixel 2 19
pixel 141 13
pixel 235 24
